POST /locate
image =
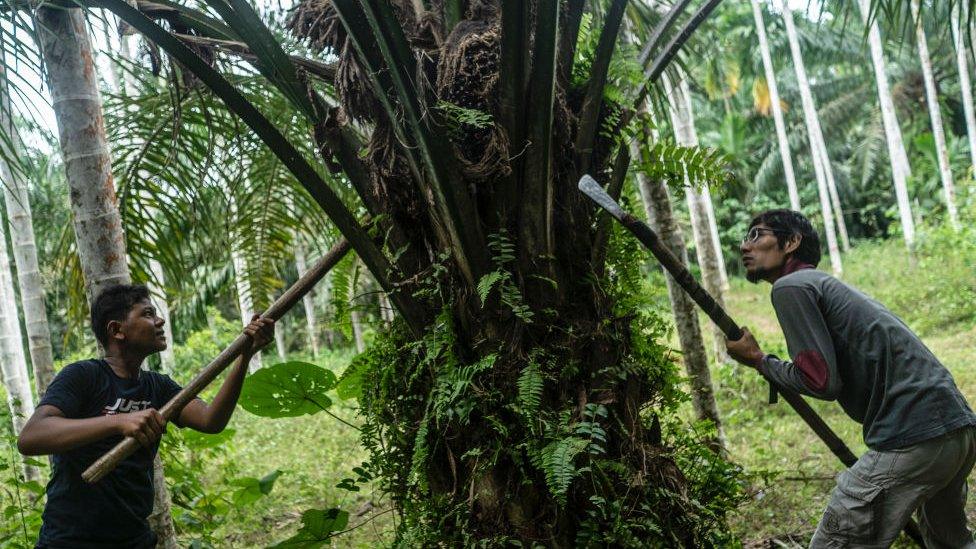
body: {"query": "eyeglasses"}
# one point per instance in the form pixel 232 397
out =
pixel 755 232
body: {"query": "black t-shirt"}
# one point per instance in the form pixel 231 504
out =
pixel 112 512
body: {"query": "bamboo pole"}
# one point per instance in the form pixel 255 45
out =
pixel 684 278
pixel 282 305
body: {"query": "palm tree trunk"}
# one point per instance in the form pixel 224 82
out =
pixel 962 62
pixel 21 222
pixel 279 336
pixel 777 108
pixel 156 284
pixel 685 134
pixel 838 210
pixel 355 317
pixel 935 114
pixel 813 125
pixel 716 241
pixel 900 169
pixel 66 48
pixel 657 206
pixel 706 195
pixel 16 380
pixel 387 312
pixel 245 301
pixel 308 302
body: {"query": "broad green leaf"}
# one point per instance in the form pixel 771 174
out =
pixel 199 441
pixel 267 481
pixel 351 383
pixel 318 526
pixel 288 389
pixel 252 489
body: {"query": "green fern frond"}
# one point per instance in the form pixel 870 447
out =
pixel 530 385
pixel 488 282
pixel 420 456
pixel 669 161
pixel 558 464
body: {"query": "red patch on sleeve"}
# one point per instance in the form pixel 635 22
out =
pixel 814 369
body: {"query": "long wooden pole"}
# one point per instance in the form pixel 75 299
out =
pixel 282 305
pixel 686 280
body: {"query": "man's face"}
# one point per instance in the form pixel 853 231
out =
pixel 762 256
pixel 143 329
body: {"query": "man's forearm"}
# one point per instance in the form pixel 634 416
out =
pixel 57 434
pixel 218 412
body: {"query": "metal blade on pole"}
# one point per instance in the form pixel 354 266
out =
pixel 105 464
pixel 684 278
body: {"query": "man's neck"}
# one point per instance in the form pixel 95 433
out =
pixel 791 266
pixel 124 364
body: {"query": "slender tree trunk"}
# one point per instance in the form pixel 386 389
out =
pixel 280 346
pixel 116 80
pixel 156 284
pixel 723 276
pixel 838 209
pixel 685 134
pixel 16 380
pixel 812 123
pixel 935 114
pixel 355 317
pixel 17 200
pixel 657 205
pixel 777 108
pixel 66 48
pixel 900 169
pixel 308 300
pixel 386 309
pixel 706 195
pixel 962 63
pixel 245 301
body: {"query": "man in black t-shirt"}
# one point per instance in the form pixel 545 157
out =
pixel 91 405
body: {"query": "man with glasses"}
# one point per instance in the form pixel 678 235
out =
pixel 847 347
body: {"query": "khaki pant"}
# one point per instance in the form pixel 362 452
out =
pixel 875 497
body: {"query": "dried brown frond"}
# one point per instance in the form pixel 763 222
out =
pixel 316 23
pixel 353 87
pixel 392 179
pixel 467 76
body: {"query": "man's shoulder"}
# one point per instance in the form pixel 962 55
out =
pixel 91 366
pixel 803 277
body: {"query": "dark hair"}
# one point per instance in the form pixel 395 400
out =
pixel 114 303
pixel 787 223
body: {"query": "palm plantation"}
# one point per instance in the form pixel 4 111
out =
pixel 527 387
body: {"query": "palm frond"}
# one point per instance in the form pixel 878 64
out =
pixel 593 99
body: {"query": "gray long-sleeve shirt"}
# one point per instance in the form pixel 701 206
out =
pixel 847 346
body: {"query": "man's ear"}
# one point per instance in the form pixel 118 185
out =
pixel 114 329
pixel 792 243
